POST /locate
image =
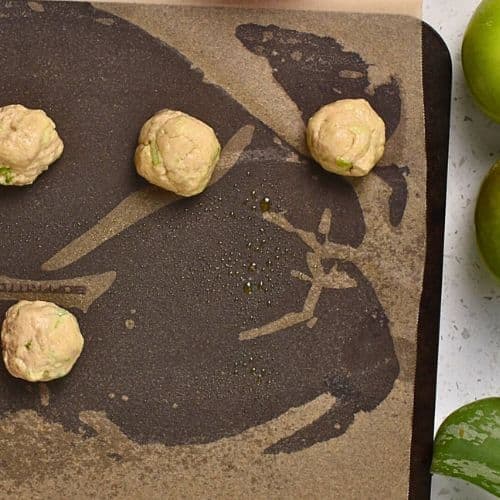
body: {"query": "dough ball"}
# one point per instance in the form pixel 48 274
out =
pixel 177 152
pixel 40 341
pixel 29 143
pixel 346 137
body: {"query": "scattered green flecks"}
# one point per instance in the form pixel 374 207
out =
pixel 155 154
pixel 265 204
pixel 6 175
pixel 343 163
pixel 217 155
pixel 60 313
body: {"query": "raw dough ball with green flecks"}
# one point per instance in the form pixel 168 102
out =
pixel 177 152
pixel 40 341
pixel 29 143
pixel 346 137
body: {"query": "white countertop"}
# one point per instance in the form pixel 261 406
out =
pixel 469 347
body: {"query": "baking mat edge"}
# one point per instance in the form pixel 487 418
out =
pixel 437 101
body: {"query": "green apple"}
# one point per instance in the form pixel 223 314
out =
pixel 481 57
pixel 488 219
pixel 467 445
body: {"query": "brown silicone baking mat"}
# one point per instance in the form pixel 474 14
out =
pixel 235 348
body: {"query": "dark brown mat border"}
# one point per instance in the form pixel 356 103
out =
pixel 436 68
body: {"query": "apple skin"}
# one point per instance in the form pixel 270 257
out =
pixel 487 219
pixel 481 57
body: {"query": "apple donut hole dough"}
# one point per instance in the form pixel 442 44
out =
pixel 40 340
pixel 346 137
pixel 177 152
pixel 29 143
